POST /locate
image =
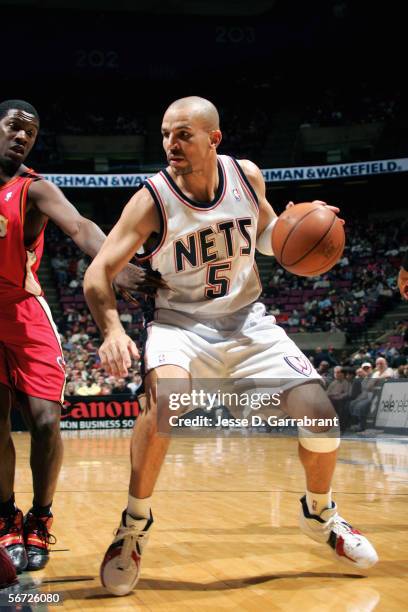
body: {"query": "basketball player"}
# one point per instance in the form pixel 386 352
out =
pixel 403 277
pixel 209 213
pixel 31 359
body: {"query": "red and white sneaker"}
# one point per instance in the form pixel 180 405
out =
pixel 12 539
pixel 120 568
pixel 348 544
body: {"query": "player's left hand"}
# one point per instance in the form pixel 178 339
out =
pixel 333 208
pixel 136 279
pixel 403 283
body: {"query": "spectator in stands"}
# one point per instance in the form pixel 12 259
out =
pixel 121 387
pixel 82 266
pixel 402 372
pixel 344 261
pixel 106 389
pixel 74 284
pixel 319 356
pixel 367 369
pixel 70 388
pixel 126 318
pixel 339 391
pixel 89 387
pixel 293 321
pixel 322 282
pixel 135 383
pixel 60 268
pixel 360 356
pixel 80 367
pixel 332 359
pixel 401 358
pixel 324 369
pixel 382 370
pixel 360 404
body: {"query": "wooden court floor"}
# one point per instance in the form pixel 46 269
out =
pixel 226 535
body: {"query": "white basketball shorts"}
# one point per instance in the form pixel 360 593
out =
pixel 246 344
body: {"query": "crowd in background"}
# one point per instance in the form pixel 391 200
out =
pixel 351 295
pixel 353 381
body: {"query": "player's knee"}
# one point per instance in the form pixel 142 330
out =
pixel 321 406
pixel 321 419
pixel 46 425
pixel 311 402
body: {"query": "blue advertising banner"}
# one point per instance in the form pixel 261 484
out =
pixel 271 175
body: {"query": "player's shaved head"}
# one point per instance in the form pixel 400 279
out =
pixel 198 108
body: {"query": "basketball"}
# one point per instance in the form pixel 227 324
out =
pixel 308 239
pixel 8 574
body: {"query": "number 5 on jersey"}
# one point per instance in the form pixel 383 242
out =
pixel 217 282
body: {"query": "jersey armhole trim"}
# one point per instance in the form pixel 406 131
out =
pixel 23 200
pixel 163 225
pixel 23 207
pixel 246 183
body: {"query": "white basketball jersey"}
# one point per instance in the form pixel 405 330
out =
pixel 205 251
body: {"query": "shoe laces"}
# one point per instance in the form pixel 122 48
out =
pixel 341 527
pixel 131 537
pixel 39 527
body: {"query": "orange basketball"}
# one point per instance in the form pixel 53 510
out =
pixel 308 239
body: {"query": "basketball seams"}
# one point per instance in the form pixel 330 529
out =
pixel 330 262
pixel 290 232
pixel 294 263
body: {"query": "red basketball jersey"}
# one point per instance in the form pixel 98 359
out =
pixel 18 263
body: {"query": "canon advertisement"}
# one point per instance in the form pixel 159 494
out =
pixel 108 412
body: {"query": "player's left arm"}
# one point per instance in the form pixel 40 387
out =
pixel 267 216
pixel 51 202
pixel 403 278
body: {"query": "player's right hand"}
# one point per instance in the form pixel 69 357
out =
pixel 117 352
pixel 335 209
pixel 403 283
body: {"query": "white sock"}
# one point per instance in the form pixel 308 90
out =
pixel 139 508
pixel 317 502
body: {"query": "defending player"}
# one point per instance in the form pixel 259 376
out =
pixel 209 212
pixel 31 361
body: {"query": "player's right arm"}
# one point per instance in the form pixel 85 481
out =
pixel 138 220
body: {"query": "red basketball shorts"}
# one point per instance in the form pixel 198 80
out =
pixel 31 358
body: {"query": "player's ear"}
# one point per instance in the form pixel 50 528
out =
pixel 215 138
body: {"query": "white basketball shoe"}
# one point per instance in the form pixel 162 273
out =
pixel 348 544
pixel 120 568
